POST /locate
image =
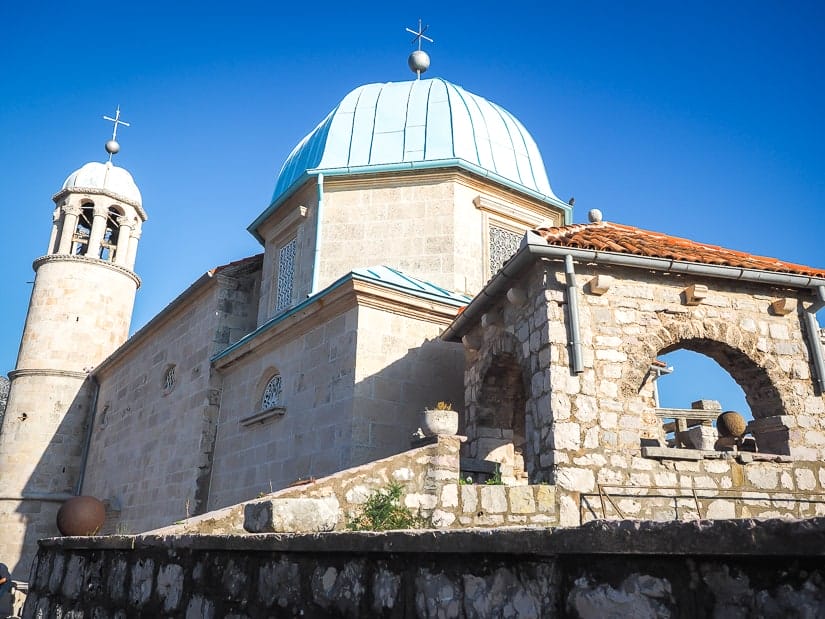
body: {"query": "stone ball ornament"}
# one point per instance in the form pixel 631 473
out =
pixel 80 516
pixel 419 61
pixel 731 424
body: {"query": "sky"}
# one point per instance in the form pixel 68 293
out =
pixel 702 119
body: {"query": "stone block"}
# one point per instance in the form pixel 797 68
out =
pixel 469 498
pixel 699 437
pixel 521 500
pixel 292 515
pixel 494 499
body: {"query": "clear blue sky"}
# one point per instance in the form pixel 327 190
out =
pixel 702 120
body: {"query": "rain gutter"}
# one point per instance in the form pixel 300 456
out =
pixel 533 247
pixel 812 335
pixel 573 315
pixel 316 256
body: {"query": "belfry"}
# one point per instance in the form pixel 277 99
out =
pixel 80 310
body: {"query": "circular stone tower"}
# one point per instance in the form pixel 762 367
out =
pixel 79 313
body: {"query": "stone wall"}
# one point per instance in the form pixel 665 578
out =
pixel 770 569
pixel 580 430
pixel 151 449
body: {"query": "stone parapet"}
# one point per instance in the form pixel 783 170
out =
pixel 640 568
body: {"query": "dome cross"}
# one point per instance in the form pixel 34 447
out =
pixel 419 61
pixel 112 147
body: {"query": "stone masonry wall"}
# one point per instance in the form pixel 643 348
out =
pixel 770 569
pixel 150 456
pixel 589 428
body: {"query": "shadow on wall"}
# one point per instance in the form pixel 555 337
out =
pixel 388 403
pixel 31 511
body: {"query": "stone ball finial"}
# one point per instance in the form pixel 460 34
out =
pixel 594 215
pixel 419 61
pixel 731 424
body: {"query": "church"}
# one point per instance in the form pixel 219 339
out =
pixel 405 205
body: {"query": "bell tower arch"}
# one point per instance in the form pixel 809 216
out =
pixel 79 313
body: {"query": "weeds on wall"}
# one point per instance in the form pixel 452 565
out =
pixel 383 511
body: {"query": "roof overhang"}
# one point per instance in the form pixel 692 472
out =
pixel 534 247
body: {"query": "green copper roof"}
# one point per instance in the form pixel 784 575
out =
pixel 398 125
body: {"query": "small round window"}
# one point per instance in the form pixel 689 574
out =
pixel 272 393
pixel 169 379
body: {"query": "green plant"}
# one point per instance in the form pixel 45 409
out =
pixel 383 511
pixel 465 480
pixel 495 480
pixel 443 406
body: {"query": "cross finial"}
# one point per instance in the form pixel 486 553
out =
pixel 419 61
pixel 112 147
pixel 420 35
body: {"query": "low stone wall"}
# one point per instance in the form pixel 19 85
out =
pixel 429 475
pixel 696 569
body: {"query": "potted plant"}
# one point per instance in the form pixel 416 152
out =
pixel 439 421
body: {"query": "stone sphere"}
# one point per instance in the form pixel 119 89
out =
pixel 419 60
pixel 731 424
pixel 81 515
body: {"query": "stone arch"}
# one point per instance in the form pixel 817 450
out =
pixel 735 350
pixel 500 416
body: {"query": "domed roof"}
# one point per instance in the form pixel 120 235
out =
pixel 421 123
pixel 95 175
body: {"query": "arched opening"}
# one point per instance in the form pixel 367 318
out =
pixel 706 372
pixel 83 230
pixel 698 377
pixel 108 246
pixel 501 417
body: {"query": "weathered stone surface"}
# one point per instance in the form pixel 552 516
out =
pixel 292 515
pixel 644 568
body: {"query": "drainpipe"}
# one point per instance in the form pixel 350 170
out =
pixel 812 335
pixel 84 456
pixel 316 258
pixel 573 315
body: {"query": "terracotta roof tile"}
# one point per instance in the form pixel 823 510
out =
pixel 613 237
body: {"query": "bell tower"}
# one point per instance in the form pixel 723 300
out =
pixel 79 313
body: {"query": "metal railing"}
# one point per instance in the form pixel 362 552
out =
pixel 697 494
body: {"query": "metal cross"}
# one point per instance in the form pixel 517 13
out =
pixel 420 34
pixel 116 120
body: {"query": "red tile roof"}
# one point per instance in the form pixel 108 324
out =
pixel 612 237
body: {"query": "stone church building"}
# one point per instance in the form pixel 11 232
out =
pixel 378 292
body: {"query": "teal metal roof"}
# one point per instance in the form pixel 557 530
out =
pixel 383 276
pixel 400 124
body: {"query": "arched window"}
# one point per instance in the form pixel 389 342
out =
pixel 169 379
pixel 83 229
pixel 109 243
pixel 272 393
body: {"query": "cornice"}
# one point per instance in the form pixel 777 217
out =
pixel 86 260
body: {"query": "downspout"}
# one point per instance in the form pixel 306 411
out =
pixel 84 456
pixel 812 335
pixel 573 315
pixel 316 258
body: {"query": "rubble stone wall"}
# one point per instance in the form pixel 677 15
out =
pixel 586 428
pixel 699 569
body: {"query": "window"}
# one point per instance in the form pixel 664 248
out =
pixel 286 275
pixel 83 230
pixel 503 244
pixel 169 379
pixel 272 393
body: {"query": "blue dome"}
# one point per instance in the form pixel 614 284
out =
pixel 421 123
